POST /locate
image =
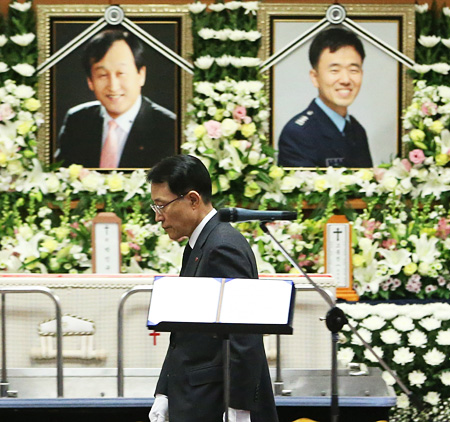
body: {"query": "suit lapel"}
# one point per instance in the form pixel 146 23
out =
pixel 197 253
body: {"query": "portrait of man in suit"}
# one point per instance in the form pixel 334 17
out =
pixel 325 134
pixel 191 384
pixel 122 128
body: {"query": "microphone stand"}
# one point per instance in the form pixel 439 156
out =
pixel 335 320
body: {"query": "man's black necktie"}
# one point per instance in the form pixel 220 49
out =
pixel 186 254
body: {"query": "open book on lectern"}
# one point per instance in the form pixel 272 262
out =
pixel 222 305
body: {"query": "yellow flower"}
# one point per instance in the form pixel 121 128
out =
pixel 276 172
pixel 14 167
pixel 115 182
pixel 62 232
pixel 2 158
pixel 424 267
pixel 24 127
pixel 441 159
pixel 365 174
pixel 410 269
pixel 436 127
pixel 74 170
pixel 219 114
pixel 251 190
pixel 417 135
pixel 200 131
pixel 430 231
pixel 32 104
pixel 64 252
pixel 320 185
pixel 358 260
pixel 248 129
pixel 124 248
pixel 50 244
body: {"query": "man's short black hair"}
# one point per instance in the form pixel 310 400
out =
pixel 183 173
pixel 99 44
pixel 334 39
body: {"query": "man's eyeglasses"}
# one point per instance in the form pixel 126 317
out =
pixel 159 209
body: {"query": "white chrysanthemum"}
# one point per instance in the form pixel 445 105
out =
pixel 417 338
pixel 390 336
pixel 442 68
pixel 403 323
pixel 21 7
pixel 370 356
pixel 416 311
pixel 430 323
pixel 416 378
pixel 253 35
pixel 204 62
pixel 445 377
pixel 373 323
pixel 446 42
pixel 196 7
pixel 443 338
pixel 403 355
pixel 433 398
pixel 24 69
pixel 434 357
pixel 365 334
pixel 3 67
pixel 429 41
pixel 23 39
pixel 207 33
pixel 421 68
pixel 224 60
pixel 402 401
pixel 345 355
pixel 3 40
pixel 446 11
pixel 233 5
pixel 251 7
pixel 421 8
pixel 388 378
pixel 250 61
pixel 217 7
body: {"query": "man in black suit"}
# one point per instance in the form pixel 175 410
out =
pixel 190 387
pixel 325 134
pixel 122 129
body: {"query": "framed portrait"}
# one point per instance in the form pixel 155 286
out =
pixel 64 86
pixel 386 88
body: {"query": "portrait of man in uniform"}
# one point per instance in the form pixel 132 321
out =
pixel 325 134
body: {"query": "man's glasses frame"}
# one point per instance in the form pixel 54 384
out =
pixel 159 209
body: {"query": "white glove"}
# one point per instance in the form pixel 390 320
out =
pixel 160 409
pixel 236 415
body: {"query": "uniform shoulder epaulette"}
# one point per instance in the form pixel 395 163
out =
pixel 304 118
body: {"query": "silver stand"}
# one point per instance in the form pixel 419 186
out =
pixel 335 320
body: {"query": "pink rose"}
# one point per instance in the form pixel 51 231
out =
pixel 214 129
pixel 417 156
pixel 378 173
pixel 83 173
pixel 429 109
pixel 406 164
pixel 239 113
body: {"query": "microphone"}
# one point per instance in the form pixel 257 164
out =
pixel 240 214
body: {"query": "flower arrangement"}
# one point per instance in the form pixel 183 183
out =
pixel 413 339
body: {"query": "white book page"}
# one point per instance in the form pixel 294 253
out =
pixel 263 301
pixel 184 299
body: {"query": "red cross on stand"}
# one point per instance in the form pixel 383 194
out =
pixel 154 335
